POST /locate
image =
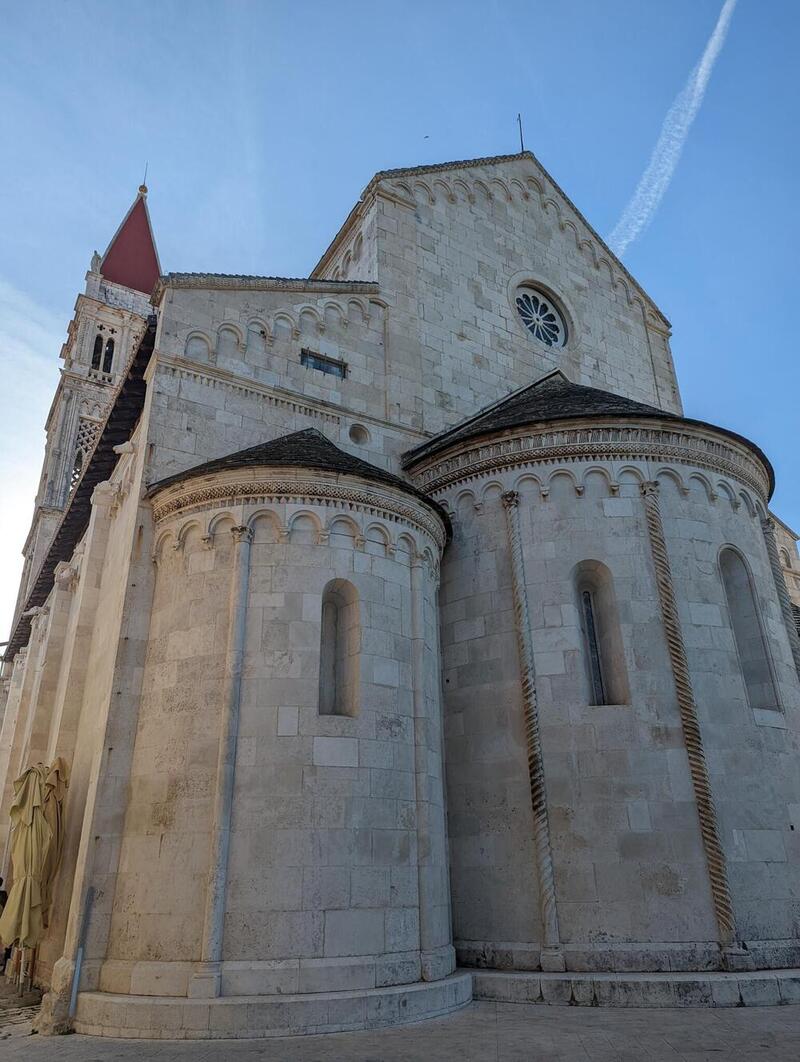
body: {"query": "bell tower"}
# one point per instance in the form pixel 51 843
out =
pixel 109 318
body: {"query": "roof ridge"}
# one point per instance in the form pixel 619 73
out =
pixel 456 164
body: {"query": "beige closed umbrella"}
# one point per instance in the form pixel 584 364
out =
pixel 55 789
pixel 21 921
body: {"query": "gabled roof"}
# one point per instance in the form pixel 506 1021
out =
pixel 131 259
pixel 302 449
pixel 464 164
pixel 553 397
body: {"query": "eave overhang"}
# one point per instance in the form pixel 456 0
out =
pixel 118 427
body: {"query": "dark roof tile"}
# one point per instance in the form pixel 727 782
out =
pixel 302 449
pixel 554 397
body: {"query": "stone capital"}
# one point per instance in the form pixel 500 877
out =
pixel 242 534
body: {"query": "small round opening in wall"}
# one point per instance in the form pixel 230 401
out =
pixel 359 435
pixel 540 315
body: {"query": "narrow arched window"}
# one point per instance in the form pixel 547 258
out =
pixel 340 648
pixel 108 357
pixel 97 353
pixel 603 650
pixel 748 634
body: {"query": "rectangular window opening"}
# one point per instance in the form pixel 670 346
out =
pixel 322 363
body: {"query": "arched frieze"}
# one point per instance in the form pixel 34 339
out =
pixel 266 526
pixel 305 528
pixel 703 483
pixel 343 531
pixel 197 346
pixel 681 445
pixel 230 339
pixel 727 491
pixel 502 187
pixel 187 498
pixel 378 540
pixel 481 186
pixel 673 475
pixel 310 320
pixel 529 486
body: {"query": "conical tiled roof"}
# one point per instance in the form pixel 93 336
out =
pixel 131 258
pixel 302 449
pixel 551 398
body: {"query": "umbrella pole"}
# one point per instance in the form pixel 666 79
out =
pixel 21 967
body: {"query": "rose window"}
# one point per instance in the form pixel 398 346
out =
pixel 541 318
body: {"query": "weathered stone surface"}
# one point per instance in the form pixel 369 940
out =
pixel 244 669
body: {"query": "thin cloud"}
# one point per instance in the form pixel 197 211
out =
pixel 656 178
pixel 30 340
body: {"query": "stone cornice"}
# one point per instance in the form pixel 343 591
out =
pixel 590 440
pixel 213 376
pixel 231 282
pixel 279 485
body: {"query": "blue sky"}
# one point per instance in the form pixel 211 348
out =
pixel 262 121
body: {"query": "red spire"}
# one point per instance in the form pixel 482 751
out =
pixel 131 257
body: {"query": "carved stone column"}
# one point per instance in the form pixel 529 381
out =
pixel 206 981
pixel 768 530
pixel 715 857
pixel 552 957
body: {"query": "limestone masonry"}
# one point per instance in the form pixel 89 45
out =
pixel 395 623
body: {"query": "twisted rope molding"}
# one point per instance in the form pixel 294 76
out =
pixel 551 958
pixel 595 443
pixel 715 857
pixel 306 492
pixel 768 530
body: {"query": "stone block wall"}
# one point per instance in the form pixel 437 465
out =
pixel 337 867
pixel 631 884
pixel 452 248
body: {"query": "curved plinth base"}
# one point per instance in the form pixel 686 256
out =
pixel 753 988
pixel 253 1017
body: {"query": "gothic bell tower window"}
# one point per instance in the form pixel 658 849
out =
pixel 97 352
pixel 540 315
pixel 108 357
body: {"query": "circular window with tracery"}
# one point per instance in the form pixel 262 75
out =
pixel 541 317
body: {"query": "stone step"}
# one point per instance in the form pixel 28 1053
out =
pixel 251 1017
pixel 756 988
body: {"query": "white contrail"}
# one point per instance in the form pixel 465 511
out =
pixel 655 179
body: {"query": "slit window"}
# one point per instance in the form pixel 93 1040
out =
pixel 604 654
pixel 340 649
pixel 748 633
pixel 322 363
pixel 593 649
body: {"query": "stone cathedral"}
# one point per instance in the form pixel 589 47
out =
pixel 403 639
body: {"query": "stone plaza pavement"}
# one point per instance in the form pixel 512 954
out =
pixel 482 1032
